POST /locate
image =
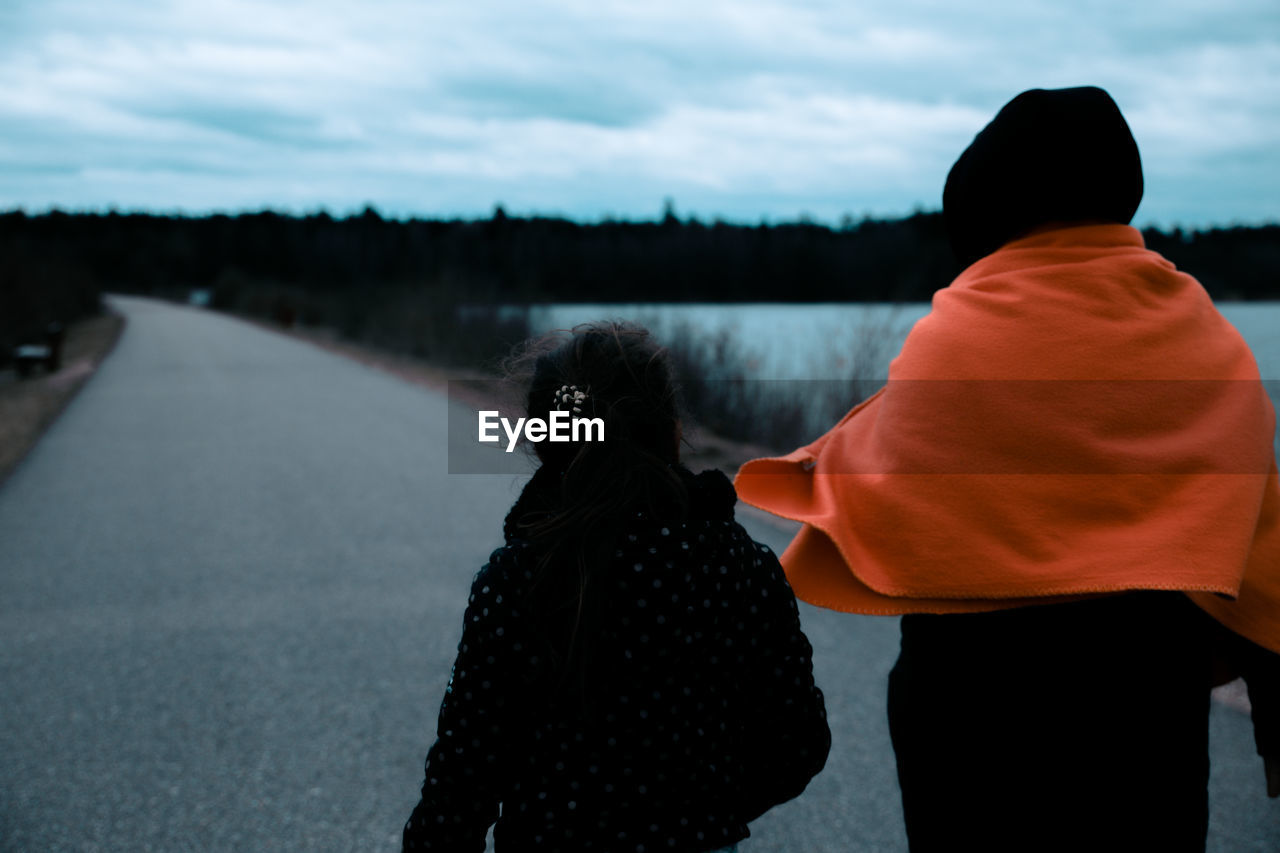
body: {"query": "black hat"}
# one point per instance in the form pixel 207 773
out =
pixel 1049 155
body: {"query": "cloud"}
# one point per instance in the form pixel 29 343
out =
pixel 737 109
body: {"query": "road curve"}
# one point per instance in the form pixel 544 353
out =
pixel 231 584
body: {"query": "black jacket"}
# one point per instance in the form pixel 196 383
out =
pixel 697 711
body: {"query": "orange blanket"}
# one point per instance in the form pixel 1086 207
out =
pixel 1073 418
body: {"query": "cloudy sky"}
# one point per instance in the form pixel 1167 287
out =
pixel 734 109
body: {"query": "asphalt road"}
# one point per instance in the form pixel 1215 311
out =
pixel 231 585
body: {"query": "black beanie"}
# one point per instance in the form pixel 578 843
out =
pixel 1049 155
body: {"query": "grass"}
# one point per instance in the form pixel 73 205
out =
pixel 29 406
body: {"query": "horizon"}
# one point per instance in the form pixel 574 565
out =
pixel 848 223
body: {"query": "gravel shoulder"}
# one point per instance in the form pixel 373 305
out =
pixel 29 406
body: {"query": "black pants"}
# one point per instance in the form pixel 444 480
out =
pixel 1079 726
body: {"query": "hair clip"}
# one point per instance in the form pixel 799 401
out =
pixel 570 399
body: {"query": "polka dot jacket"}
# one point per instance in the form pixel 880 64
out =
pixel 699 712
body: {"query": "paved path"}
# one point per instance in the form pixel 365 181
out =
pixel 231 583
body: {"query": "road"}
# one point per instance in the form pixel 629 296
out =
pixel 231 583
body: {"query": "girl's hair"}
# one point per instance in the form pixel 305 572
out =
pixel 587 490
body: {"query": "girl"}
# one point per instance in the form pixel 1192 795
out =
pixel 632 675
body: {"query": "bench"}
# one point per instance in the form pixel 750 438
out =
pixel 27 357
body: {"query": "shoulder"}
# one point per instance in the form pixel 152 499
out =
pixel 508 569
pixel 729 544
pixel 764 557
pixel 505 559
pixel 769 579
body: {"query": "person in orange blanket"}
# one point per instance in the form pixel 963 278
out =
pixel 1068 487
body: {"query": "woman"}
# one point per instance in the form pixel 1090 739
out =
pixel 1068 486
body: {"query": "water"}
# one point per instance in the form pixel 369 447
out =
pixel 789 341
pixel 841 340
pixel 778 341
pixel 1259 323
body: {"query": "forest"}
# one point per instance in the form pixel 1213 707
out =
pixel 434 288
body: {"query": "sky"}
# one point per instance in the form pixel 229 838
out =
pixel 592 109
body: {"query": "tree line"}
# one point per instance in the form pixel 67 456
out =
pixel 362 273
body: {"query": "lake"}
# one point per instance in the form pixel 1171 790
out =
pixel 788 341
pixel 838 341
